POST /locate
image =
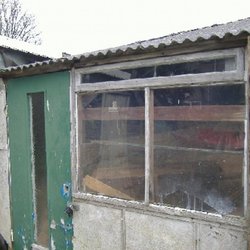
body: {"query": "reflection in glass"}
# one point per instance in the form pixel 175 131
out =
pixel 39 168
pixel 111 144
pixel 197 145
pixel 195 67
pixel 198 148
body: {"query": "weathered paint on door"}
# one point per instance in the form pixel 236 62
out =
pixel 55 87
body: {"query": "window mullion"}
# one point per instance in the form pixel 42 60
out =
pixel 149 140
pixel 246 144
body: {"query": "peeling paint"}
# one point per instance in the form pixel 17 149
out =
pixel 47 103
pixel 62 221
pixel 66 190
pixel 67 231
pixel 52 243
pixel 53 224
pixel 33 217
pixel 66 227
pixel 21 233
pixel 69 244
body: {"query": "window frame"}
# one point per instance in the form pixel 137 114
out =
pixel 163 81
pixel 148 84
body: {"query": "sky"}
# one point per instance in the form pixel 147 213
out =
pixel 80 26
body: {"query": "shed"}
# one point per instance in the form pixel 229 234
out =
pixel 142 146
pixel 12 53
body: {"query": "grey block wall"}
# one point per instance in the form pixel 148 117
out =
pixel 108 227
pixel 97 228
pixel 5 223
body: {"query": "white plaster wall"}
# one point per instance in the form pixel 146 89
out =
pixel 146 232
pixel 5 223
pixel 97 228
pixel 120 228
pixel 3 133
pixel 213 238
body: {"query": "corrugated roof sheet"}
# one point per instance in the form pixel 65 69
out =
pixel 22 46
pixel 212 32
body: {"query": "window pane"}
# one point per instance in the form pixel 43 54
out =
pixel 118 75
pixel 111 144
pixel 37 120
pixel 198 148
pixel 195 67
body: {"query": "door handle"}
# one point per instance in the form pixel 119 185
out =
pixel 69 210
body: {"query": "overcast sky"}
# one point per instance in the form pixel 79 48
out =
pixel 79 26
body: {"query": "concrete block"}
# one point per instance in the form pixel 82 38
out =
pixel 149 232
pixel 97 227
pixel 216 238
pixel 5 223
pixel 3 129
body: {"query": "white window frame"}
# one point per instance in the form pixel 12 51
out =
pixel 163 81
pixel 203 79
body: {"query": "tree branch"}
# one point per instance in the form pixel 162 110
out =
pixel 15 23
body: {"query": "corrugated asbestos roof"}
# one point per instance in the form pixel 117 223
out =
pixel 212 32
pixel 25 47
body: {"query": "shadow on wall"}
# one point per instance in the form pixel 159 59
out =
pixel 3 243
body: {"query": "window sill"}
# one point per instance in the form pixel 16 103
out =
pixel 162 211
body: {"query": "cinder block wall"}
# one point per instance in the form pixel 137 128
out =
pixel 110 227
pixel 5 223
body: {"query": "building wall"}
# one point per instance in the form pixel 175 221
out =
pixel 110 227
pixel 99 224
pixel 5 223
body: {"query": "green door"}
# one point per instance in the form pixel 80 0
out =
pixel 39 138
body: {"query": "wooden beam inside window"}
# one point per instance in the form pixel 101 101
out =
pixel 170 113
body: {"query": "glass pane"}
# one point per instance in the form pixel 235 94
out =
pixel 118 75
pixel 111 144
pixel 198 148
pixel 196 67
pixel 39 169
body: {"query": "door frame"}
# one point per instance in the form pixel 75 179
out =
pixel 57 126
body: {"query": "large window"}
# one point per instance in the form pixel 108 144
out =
pixel 181 146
